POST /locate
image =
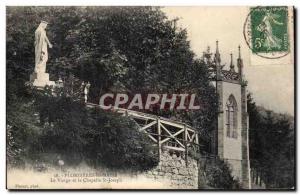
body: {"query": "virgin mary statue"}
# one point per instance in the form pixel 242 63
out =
pixel 41 51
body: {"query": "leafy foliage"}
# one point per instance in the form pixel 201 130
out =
pixel 147 51
pixel 118 144
pixel 22 127
pixel 128 49
pixel 14 149
pixel 219 175
pixel 99 137
pixel 272 158
pixel 214 173
pixel 131 49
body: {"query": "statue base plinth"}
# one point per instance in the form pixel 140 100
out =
pixel 41 79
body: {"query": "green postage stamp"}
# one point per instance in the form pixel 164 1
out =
pixel 269 29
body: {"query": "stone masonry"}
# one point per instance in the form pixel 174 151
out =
pixel 172 168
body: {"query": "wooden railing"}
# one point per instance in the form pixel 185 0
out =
pixel 163 132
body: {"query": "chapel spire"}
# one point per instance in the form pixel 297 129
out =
pixel 240 63
pixel 218 62
pixel 217 54
pixel 231 64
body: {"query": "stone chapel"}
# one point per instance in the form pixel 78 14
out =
pixel 230 140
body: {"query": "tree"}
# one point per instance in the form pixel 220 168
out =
pixel 271 137
pixel 128 49
pixel 142 51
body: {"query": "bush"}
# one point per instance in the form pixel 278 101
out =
pixel 117 143
pixel 22 129
pixel 100 137
pixel 64 128
pixel 219 175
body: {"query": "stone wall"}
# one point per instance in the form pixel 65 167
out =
pixel 173 171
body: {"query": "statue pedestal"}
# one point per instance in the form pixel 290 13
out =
pixel 41 79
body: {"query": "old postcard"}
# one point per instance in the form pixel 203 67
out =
pixel 194 98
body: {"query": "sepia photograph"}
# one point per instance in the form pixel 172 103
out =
pixel 150 98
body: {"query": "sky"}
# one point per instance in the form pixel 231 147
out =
pixel 271 82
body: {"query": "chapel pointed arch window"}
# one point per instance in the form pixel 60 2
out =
pixel 231 117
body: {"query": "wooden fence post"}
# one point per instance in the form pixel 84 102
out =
pixel 185 145
pixel 197 142
pixel 158 137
